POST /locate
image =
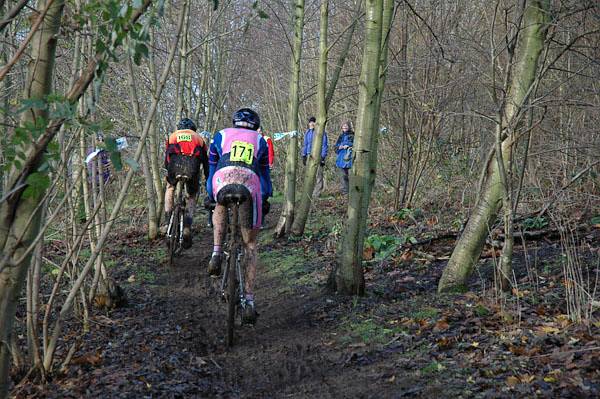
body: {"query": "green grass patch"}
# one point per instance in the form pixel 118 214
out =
pixel 144 274
pixel 433 367
pixel 426 313
pixel 369 332
pixel 290 266
pixel 482 311
pixel 284 262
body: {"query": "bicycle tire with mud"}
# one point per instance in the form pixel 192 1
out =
pixel 176 215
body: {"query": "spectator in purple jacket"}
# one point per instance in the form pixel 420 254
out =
pixel 100 163
pixel 307 148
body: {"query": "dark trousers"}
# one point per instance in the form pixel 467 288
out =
pixel 344 179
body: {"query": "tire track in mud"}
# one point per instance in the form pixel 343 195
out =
pixel 282 355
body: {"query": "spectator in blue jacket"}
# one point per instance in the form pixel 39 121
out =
pixel 343 149
pixel 307 148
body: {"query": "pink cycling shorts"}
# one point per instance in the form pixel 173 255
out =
pixel 245 176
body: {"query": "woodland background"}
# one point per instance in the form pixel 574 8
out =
pixel 447 73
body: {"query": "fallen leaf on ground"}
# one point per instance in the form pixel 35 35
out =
pixel 441 325
pixel 368 253
pixel 87 359
pixel 512 381
pixel 549 329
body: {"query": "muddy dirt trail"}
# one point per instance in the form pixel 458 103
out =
pixel 169 340
pixel 400 340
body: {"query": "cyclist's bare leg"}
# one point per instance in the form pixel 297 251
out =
pixel 250 241
pixel 219 225
pixel 219 229
pixel 190 206
pixel 169 193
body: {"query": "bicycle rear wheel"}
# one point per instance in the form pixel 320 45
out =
pixel 232 284
pixel 175 225
pixel 174 234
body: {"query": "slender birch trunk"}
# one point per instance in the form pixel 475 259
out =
pixel 182 69
pixel 349 276
pixel 314 160
pixel 15 221
pixel 402 173
pixel 324 97
pixel 155 139
pixel 291 164
pixel 534 26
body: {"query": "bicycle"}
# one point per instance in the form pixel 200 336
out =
pixel 175 227
pixel 232 280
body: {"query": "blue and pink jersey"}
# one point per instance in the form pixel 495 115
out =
pixel 240 156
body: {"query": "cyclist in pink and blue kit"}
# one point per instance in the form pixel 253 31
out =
pixel 240 156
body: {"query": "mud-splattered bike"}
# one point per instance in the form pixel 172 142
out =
pixel 175 227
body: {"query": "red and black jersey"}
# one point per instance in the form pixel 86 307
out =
pixel 187 142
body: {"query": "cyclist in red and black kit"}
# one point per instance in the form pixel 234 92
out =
pixel 185 152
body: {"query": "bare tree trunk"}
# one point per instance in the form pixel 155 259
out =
pixel 15 222
pixel 324 97
pixel 33 290
pixel 182 67
pixel 398 197
pixel 349 276
pixel 339 65
pixel 291 164
pixel 155 140
pixel 314 160
pixel 469 246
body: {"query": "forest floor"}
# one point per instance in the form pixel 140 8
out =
pixel 401 340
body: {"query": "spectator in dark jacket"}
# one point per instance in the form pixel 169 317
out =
pixel 343 149
pixel 306 150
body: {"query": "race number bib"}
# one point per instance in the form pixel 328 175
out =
pixel 184 137
pixel 241 152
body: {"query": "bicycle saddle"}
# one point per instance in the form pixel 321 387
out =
pixel 233 193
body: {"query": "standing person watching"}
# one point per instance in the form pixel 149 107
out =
pixel 184 154
pixel 307 148
pixel 229 166
pixel 343 149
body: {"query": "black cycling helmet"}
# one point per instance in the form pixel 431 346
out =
pixel 186 124
pixel 245 117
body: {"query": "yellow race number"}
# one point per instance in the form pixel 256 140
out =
pixel 241 152
pixel 184 137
